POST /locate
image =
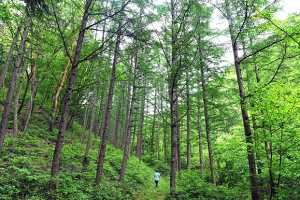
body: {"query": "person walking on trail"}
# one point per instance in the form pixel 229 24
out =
pixel 156 177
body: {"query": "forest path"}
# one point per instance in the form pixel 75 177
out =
pixel 153 193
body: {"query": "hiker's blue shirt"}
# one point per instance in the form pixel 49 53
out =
pixel 156 176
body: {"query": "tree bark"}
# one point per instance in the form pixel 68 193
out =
pixel 33 88
pixel 95 96
pixel 17 96
pixel 199 127
pixel 107 116
pixel 86 111
pixel 61 85
pixel 115 137
pixel 247 129
pixel 245 115
pixel 188 122
pixel 12 84
pixel 9 56
pixel 129 124
pixel 139 144
pixel 207 126
pixel 173 93
pixel 68 96
pixel 153 126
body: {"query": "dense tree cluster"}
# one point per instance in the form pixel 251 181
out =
pixel 152 79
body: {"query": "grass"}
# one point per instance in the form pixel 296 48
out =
pixel 153 193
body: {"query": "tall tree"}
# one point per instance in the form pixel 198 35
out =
pixel 130 116
pixel 69 92
pixel 12 83
pixel 104 137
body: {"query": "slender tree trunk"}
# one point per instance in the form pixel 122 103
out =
pixel 247 129
pixel 25 93
pixel 12 84
pixel 17 96
pixel 115 138
pixel 33 87
pixel 153 126
pixel 178 138
pixel 15 131
pixel 134 134
pixel 173 143
pixel 207 127
pixel 165 142
pixel 173 93
pixel 99 125
pixel 29 108
pixel 129 124
pixel 188 122
pixel 107 116
pixel 245 115
pixel 9 56
pixel 124 135
pixel 139 144
pixel 158 139
pixel 199 127
pixel 61 85
pixel 164 127
pixel 84 121
pixel 95 95
pixel 68 96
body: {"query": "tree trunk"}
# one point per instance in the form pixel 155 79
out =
pixel 126 117
pixel 165 143
pixel 12 84
pixel 153 127
pixel 68 96
pixel 173 93
pixel 107 116
pixel 33 87
pixel 129 124
pixel 139 144
pixel 29 108
pixel 95 96
pixel 61 85
pixel 115 138
pixel 95 93
pixel 9 56
pixel 17 96
pixel 247 129
pixel 86 111
pixel 199 127
pixel 134 133
pixel 173 143
pixel 99 124
pixel 245 115
pixel 25 93
pixel 178 138
pixel 188 122
pixel 158 139
pixel 207 126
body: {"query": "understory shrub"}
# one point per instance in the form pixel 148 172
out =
pixel 191 186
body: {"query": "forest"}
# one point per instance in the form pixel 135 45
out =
pixel 96 95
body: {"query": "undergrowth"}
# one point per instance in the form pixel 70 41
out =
pixel 26 165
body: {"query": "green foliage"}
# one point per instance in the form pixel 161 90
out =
pixel 26 162
pixel 20 182
pixel 161 165
pixel 191 186
pixel 3 93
